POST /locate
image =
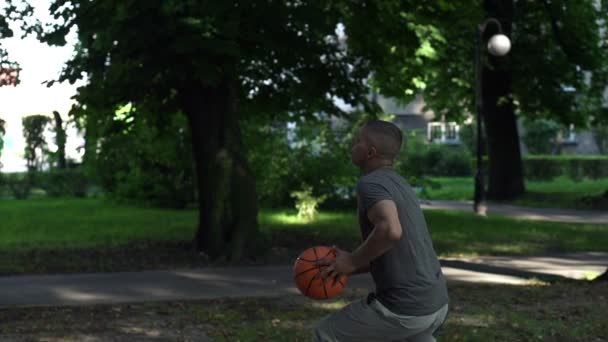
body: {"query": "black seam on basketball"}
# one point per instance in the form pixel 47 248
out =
pixel 307 260
pixel 313 278
pixel 309 285
pixel 325 289
pixel 307 270
pixel 341 283
pixel 328 252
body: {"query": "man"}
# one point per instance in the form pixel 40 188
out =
pixel 411 298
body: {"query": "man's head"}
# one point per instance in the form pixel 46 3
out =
pixel 376 144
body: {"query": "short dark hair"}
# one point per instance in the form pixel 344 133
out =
pixel 386 137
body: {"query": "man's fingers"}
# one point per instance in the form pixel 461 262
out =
pixel 332 275
pixel 336 280
pixel 323 262
pixel 324 272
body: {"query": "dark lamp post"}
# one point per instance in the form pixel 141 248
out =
pixel 498 45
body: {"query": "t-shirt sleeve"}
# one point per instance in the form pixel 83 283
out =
pixel 370 193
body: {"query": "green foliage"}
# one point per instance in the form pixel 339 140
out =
pixel 600 133
pixel 541 136
pixel 420 159
pixel 447 160
pixel 64 182
pixel 411 163
pixel 144 161
pixel 321 159
pixel 58 157
pixel 19 184
pixel 306 203
pixel 468 137
pixel 34 127
pixel 575 167
pixel 2 133
pixel 270 159
pixel 283 56
pixel 316 153
pixel 11 10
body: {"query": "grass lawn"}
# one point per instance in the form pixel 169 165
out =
pixel 559 193
pixel 75 235
pixel 564 311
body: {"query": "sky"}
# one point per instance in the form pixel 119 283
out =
pixel 39 63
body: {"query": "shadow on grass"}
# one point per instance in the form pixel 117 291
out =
pixel 498 270
pixel 563 311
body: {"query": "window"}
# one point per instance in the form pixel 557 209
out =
pixel 567 135
pixel 443 132
pixel 451 132
pixel 435 131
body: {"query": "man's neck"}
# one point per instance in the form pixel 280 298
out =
pixel 380 164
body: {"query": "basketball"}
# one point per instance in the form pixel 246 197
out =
pixel 305 269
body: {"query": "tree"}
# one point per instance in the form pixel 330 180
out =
pixel 138 160
pixel 556 69
pixel 60 140
pixel 216 62
pixel 221 62
pixel 2 133
pixel 35 143
pixel 9 70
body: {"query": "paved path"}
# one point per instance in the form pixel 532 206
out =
pixel 207 283
pixel 543 214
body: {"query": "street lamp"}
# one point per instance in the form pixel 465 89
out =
pixel 498 45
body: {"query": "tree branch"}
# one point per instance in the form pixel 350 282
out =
pixel 556 30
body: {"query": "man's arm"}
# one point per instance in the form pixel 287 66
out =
pixel 363 269
pixel 386 233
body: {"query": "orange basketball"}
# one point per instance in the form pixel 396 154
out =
pixel 305 269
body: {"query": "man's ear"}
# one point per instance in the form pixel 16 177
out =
pixel 372 152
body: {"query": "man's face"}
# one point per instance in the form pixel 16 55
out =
pixel 360 149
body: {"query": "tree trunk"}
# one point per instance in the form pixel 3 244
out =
pixel 506 180
pixel 226 189
pixel 60 140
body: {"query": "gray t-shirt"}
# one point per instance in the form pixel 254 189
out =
pixel 408 277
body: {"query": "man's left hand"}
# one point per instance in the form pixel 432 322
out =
pixel 343 264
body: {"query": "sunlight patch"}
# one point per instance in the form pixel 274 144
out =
pixel 510 248
pixel 284 218
pixel 332 306
pixel 479 321
pixel 141 331
pixel 591 275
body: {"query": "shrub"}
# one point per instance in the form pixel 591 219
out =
pixel 306 203
pixel 64 182
pixel 19 184
pixel 282 159
pixel 540 136
pixel 144 162
pixel 468 137
pixel 600 133
pixel 419 159
pixel 575 167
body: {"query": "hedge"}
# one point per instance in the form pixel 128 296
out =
pixel 541 167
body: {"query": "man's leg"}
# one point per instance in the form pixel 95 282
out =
pixel 358 321
pixel 367 320
pixel 437 321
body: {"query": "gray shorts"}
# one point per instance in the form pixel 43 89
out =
pixel 368 320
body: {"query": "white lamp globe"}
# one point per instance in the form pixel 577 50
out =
pixel 499 45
